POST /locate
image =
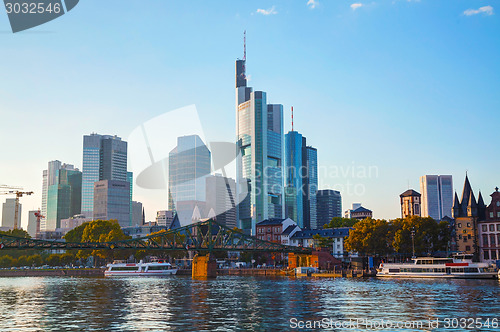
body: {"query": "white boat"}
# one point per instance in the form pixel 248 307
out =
pixel 460 266
pixel 155 268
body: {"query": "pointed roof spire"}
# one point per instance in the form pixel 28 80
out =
pixel 480 201
pixel 472 201
pixel 456 203
pixel 466 192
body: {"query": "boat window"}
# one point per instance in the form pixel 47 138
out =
pixel 158 267
pixel 124 268
pixel 393 270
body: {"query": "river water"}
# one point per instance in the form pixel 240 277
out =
pixel 232 303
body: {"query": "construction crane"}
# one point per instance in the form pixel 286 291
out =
pixel 38 215
pixel 15 191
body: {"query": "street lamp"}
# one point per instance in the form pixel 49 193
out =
pixel 413 240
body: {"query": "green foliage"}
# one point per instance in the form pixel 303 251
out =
pixel 337 222
pixel 369 236
pixel 322 242
pixel 379 237
pixel 16 233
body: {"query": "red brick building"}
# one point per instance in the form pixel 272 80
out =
pixel 489 230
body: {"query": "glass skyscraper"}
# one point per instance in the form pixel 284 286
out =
pixel 64 197
pixel 329 205
pixel 301 180
pixel 437 196
pixel 112 201
pixel 189 165
pixel 259 135
pixel 104 158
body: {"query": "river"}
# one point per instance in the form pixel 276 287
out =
pixel 232 303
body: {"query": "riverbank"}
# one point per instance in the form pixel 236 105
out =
pixel 53 273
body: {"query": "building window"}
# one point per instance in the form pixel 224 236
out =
pixel 468 224
pixel 498 214
pixel 485 240
pixel 459 225
pixel 492 228
pixel 491 214
pixel 268 237
pixel 467 248
pixel 484 228
pixel 494 254
pixel 492 239
pixel 465 239
pixel 498 227
pixel 460 237
pixel 486 255
pixel 468 236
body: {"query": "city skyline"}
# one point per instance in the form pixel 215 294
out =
pixel 369 89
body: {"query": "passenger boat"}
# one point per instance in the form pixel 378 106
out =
pixel 154 268
pixel 460 266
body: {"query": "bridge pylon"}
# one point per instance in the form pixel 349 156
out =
pixel 204 267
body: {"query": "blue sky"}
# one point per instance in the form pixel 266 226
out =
pixel 408 87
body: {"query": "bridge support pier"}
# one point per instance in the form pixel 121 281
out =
pixel 204 267
pixel 302 260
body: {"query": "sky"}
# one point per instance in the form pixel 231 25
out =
pixel 386 90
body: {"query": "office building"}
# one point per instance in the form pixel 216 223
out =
pixel 164 217
pixel 189 165
pixel 49 179
pixel 329 205
pixel 437 196
pixel 137 213
pixel 259 135
pixel 112 201
pixel 9 212
pixel 220 200
pixel 130 179
pixel 104 158
pixel 64 197
pixel 311 186
pixel 410 203
pixel 32 221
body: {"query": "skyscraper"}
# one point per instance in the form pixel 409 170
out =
pixel 49 179
pixel 220 200
pixel 104 158
pixel 9 212
pixel 329 205
pixel 301 180
pixel 32 220
pixel 296 176
pixel 64 197
pixel 130 179
pixel 112 201
pixel 437 196
pixel 189 165
pixel 259 135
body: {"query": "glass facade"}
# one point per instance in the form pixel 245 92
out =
pixel 63 197
pixel 329 205
pixel 437 196
pixel 294 176
pixel 104 158
pixel 310 218
pixel 112 201
pixel 189 165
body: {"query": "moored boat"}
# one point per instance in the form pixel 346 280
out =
pixel 154 268
pixel 460 266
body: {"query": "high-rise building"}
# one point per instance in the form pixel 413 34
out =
pixel 164 217
pixel 311 163
pixel 329 205
pixel 137 213
pixel 32 220
pixel 49 179
pixel 437 196
pixel 189 165
pixel 112 201
pixel 296 175
pixel 104 158
pixel 9 213
pixel 130 179
pixel 220 201
pixel 259 135
pixel 64 197
pixel 301 180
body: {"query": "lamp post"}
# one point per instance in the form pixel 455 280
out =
pixel 413 240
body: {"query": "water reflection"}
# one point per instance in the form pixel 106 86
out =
pixel 232 303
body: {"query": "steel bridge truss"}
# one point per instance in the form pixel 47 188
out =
pixel 204 236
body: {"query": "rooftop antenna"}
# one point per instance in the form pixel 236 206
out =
pixel 244 45
pixel 292 118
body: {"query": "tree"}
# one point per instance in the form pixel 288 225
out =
pixel 17 233
pixel 6 261
pixel 369 236
pixel 322 242
pixel 337 222
pixel 53 260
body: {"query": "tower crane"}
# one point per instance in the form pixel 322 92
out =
pixel 19 193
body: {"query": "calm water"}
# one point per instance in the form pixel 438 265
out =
pixel 235 303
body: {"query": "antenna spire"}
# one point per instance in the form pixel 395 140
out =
pixel 292 118
pixel 244 45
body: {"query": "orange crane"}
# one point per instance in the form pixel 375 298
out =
pixel 16 191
